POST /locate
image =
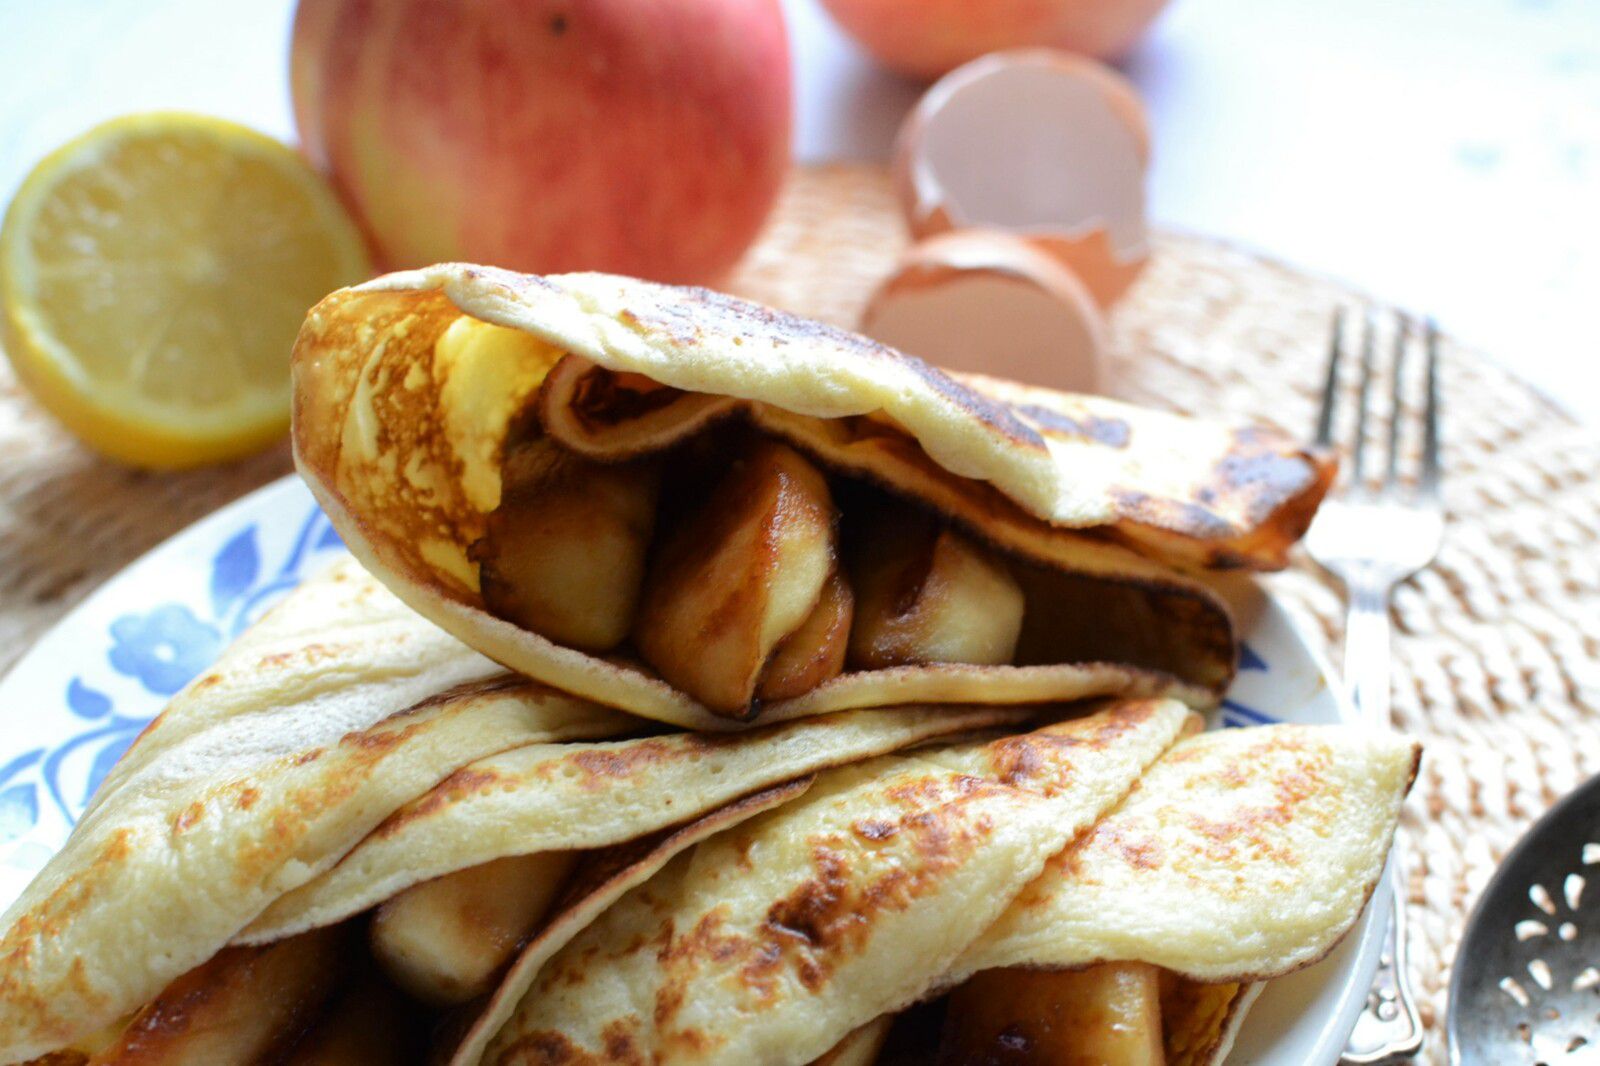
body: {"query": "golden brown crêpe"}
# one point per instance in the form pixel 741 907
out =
pixel 593 794
pixel 404 440
pixel 773 941
pixel 1228 859
pixel 1244 854
pixel 603 879
pixel 336 708
pixel 344 722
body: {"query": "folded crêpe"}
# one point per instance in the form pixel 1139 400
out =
pixel 577 796
pixel 773 941
pixel 1241 856
pixel 894 880
pixel 340 723
pixel 338 706
pixel 704 511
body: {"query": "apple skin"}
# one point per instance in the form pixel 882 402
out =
pixel 549 135
pixel 925 39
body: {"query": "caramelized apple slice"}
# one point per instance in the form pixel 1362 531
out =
pixel 370 1023
pixel 926 594
pixel 1195 1017
pixel 563 554
pixel 737 575
pixel 444 941
pixel 243 1006
pixel 814 653
pixel 1108 1014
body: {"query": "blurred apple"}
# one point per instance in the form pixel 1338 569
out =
pixel 549 135
pixel 927 38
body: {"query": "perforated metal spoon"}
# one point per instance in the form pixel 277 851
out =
pixel 1526 988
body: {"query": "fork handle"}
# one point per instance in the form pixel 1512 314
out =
pixel 1389 1029
pixel 1366 648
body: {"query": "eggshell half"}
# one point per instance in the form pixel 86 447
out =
pixel 990 302
pixel 1038 143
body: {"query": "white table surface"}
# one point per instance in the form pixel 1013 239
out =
pixel 1442 154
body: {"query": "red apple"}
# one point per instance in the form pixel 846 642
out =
pixel 549 135
pixel 927 38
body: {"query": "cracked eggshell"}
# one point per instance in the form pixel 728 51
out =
pixel 991 302
pixel 1038 143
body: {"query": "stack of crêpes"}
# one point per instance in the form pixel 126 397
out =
pixel 713 686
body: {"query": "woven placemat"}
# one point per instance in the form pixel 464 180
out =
pixel 1496 647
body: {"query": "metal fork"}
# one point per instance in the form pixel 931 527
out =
pixel 1381 530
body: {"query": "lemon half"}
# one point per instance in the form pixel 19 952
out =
pixel 153 273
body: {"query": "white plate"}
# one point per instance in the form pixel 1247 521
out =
pixel 78 698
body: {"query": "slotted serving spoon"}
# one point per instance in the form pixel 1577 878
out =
pixel 1526 987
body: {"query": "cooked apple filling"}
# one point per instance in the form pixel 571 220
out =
pixel 744 580
pixel 925 593
pixel 564 553
pixel 1111 1014
pixel 727 609
pixel 447 940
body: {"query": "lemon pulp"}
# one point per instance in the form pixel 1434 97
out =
pixel 153 274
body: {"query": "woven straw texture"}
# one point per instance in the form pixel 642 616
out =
pixel 1496 645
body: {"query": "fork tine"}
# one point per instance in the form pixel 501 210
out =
pixel 1368 343
pixel 1330 388
pixel 1402 337
pixel 1430 425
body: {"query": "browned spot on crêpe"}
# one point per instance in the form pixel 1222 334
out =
pixel 49 918
pixel 378 740
pixel 546 1047
pixel 469 691
pixel 601 765
pixel 1250 828
pixel 1140 852
pixel 832 915
pixel 1043 761
pixel 1017 760
pixel 306 655
pixel 621 1042
pixel 619 1046
pixel 187 818
pixel 1190 519
pixel 874 829
pixel 452 790
pixel 1112 432
pixel 681 959
pixel 684 317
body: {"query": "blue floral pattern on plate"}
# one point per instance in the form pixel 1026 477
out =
pixel 161 648
pixel 165 648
